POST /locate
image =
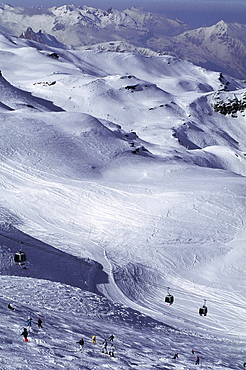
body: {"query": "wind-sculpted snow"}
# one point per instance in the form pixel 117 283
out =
pixel 13 98
pixel 121 180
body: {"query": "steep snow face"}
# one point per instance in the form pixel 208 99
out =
pixel 125 178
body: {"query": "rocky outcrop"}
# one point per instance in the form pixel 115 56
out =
pixel 230 104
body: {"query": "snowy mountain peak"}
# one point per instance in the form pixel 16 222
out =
pixel 8 7
pixel 221 26
pixel 217 47
pixel 65 8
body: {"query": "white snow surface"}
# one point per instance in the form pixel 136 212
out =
pixel 120 180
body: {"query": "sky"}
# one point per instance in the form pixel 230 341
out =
pixel 195 12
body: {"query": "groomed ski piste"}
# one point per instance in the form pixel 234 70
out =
pixel 122 181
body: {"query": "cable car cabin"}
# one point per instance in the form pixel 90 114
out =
pixel 203 310
pixel 20 257
pixel 169 299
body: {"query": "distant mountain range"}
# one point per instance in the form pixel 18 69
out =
pixel 221 47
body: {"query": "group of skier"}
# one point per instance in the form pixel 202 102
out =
pixel 81 342
pixel 105 349
pixel 197 361
pixel 29 324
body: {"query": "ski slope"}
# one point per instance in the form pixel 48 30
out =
pixel 121 180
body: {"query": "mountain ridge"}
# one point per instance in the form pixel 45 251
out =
pixel 221 47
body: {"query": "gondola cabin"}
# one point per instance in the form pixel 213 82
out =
pixel 203 310
pixel 20 257
pixel 169 299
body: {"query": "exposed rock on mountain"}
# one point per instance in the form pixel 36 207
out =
pixel 41 37
pixel 228 104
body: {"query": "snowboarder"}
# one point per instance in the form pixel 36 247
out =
pixel 111 351
pixel 29 321
pixel 111 338
pixel 197 360
pixel 40 323
pixel 104 346
pixel 81 342
pixel 176 355
pixel 25 334
pixel 93 339
pixel 192 351
pixel 11 307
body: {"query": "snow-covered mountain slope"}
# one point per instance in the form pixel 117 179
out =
pixel 69 314
pixel 13 98
pixel 217 47
pixel 220 47
pixel 124 178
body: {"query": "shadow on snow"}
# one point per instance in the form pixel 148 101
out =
pixel 47 262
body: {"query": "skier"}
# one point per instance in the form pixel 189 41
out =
pixel 111 350
pixel 192 351
pixel 93 339
pixel 176 355
pixel 104 346
pixel 244 365
pixel 25 334
pixel 40 323
pixel 81 342
pixel 10 307
pixel 197 360
pixel 111 338
pixel 29 321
